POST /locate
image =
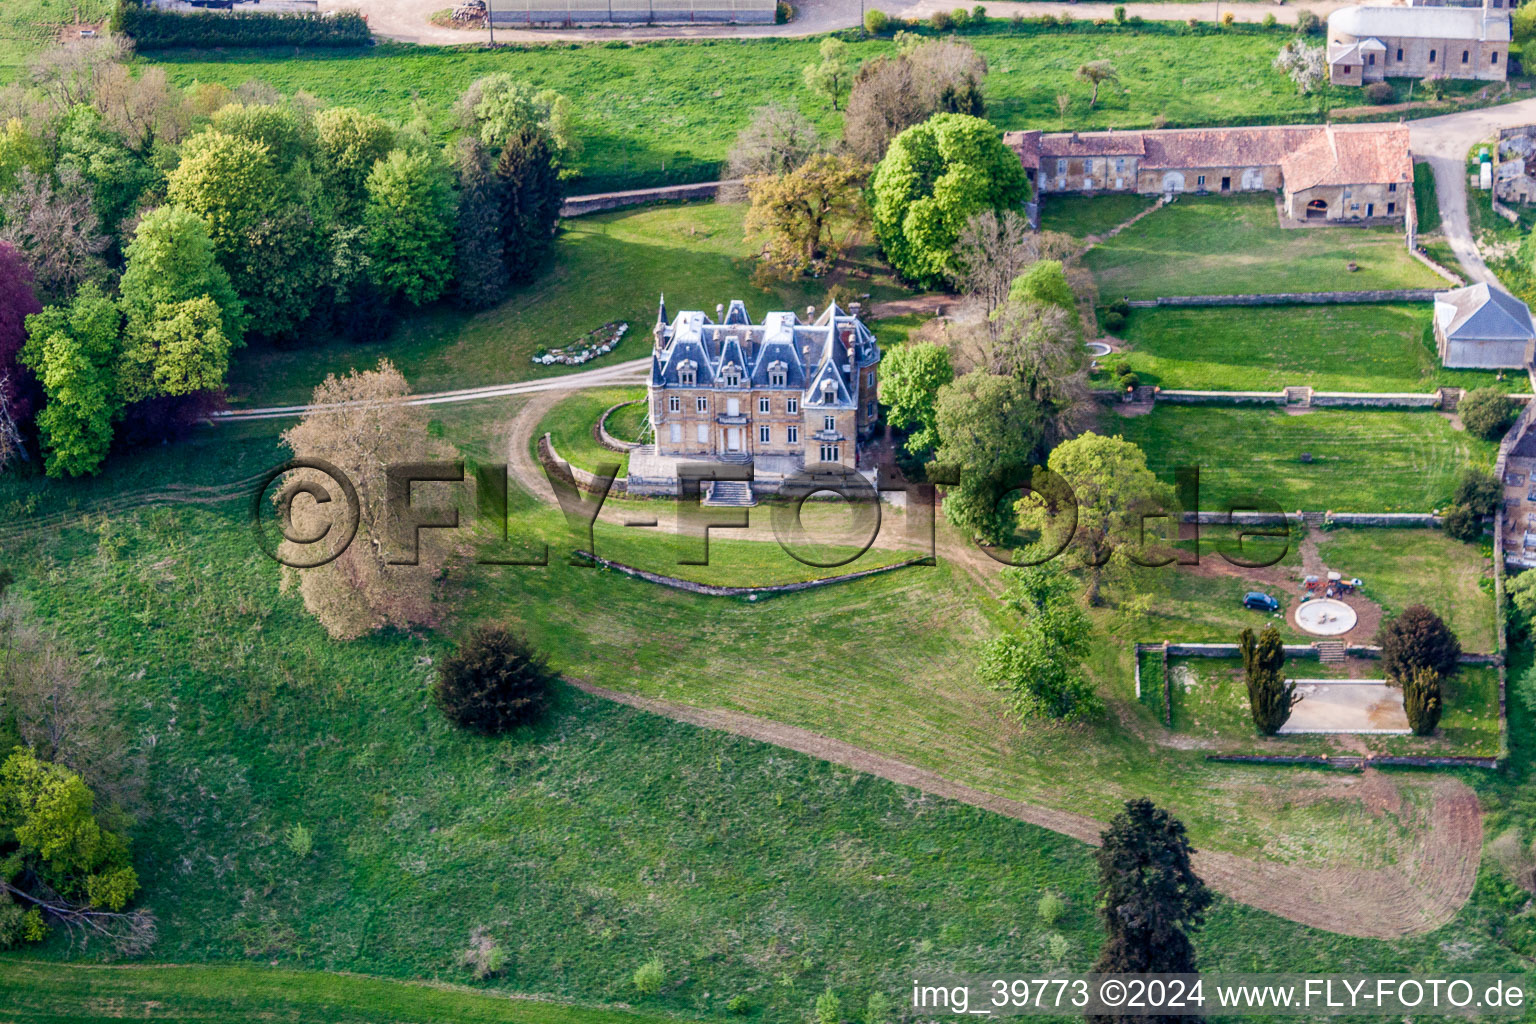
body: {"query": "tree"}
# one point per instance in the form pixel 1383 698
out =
pixel 142 108
pixel 876 21
pixel 993 249
pixel 1479 490
pixel 1040 666
pixel 910 378
pixel 890 94
pixel 63 861
pixel 1520 590
pixel 531 194
pixel 1114 493
pixel 498 108
pixel 1307 66
pixel 1522 24
pixel 263 234
pixel 796 213
pixel 18 301
pixel 1096 73
pixel 57 231
pixel 361 424
pixel 409 220
pixel 1462 523
pixel 829 79
pixel 1270 697
pixel 19 150
pixel 990 430
pixel 777 140
pixel 1308 23
pixel 171 260
pixel 348 143
pixel 73 350
pixel 1150 899
pixel 181 350
pixel 1486 412
pixel 1422 700
pixel 1418 638
pixel 480 267
pixel 933 179
pixel 286 136
pixel 119 178
pixel 494 682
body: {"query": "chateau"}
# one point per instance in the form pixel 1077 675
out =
pixel 1374 43
pixel 781 395
pixel 1323 172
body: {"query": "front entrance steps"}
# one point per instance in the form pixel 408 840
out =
pixel 729 494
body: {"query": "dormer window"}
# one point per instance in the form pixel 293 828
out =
pixel 731 375
pixel 777 376
pixel 687 372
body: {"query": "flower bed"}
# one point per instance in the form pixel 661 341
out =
pixel 592 344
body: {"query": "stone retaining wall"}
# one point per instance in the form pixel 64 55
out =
pixel 585 480
pixel 1290 298
pixel 607 440
pixel 712 591
pixel 575 206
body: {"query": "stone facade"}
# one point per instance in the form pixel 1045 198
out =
pixel 1325 172
pixel 1373 43
pixel 780 396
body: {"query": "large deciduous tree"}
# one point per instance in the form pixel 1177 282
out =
pixel 1150 900
pixel 498 108
pixel 409 220
pixel 74 352
pixel 829 77
pixel 910 378
pixel 171 259
pixel 57 231
pixel 776 141
pixel 1270 697
pixel 1116 498
pixel 348 143
pixel 990 433
pixel 891 94
pixel 361 424
pixel 1096 73
pixel 1039 666
pixel 934 178
pixel 797 214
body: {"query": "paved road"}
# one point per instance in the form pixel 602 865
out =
pixel 1443 142
pixel 406 20
pixel 632 372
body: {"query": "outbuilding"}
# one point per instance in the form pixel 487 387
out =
pixel 1483 326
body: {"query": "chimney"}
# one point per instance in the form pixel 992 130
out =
pixel 719 312
pixel 810 314
pixel 1075 137
pixel 854 307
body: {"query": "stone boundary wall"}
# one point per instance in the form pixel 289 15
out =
pixel 1361 763
pixel 1317 399
pixel 1176 650
pixel 1396 520
pixel 712 591
pixel 1290 298
pixel 576 206
pixel 607 440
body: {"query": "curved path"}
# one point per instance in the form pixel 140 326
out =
pixel 1424 890
pixel 1443 142
pixel 407 20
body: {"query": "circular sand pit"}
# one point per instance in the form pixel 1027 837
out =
pixel 1325 617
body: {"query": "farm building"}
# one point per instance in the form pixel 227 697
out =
pixel 1373 43
pixel 1326 173
pixel 1483 326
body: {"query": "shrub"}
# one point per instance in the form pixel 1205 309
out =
pixel 1051 907
pixel 1269 20
pixel 300 841
pixel 1421 700
pixel 1416 639
pixel 1121 305
pixel 783 13
pixel 1462 523
pixel 978 15
pixel 829 1008
pixel 649 976
pixel 960 17
pixel 494 682
pixel 1113 321
pixel 1486 412
pixel 941 21
pixel 876 21
pixel 1228 19
pixel 740 1006
pixel 1119 14
pixel 877 1010
pixel 1122 367
pixel 1379 92
pixel 1479 490
pixel 1128 381
pixel 1308 23
pixel 485 957
pixel 1057 948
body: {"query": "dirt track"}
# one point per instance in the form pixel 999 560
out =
pixel 1423 891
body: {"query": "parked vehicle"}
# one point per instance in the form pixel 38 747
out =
pixel 1260 602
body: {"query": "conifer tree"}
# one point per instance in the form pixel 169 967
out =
pixel 1270 698
pixel 531 200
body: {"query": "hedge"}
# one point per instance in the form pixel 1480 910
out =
pixel 153 29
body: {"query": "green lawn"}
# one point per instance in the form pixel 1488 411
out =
pixel 610 266
pixel 667 111
pixel 27 26
pixel 570 423
pixel 1210 701
pixel 41 993
pixel 1362 461
pixel 1330 348
pixel 1426 200
pixel 1224 245
pixel 1081 216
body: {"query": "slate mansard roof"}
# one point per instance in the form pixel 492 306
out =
pixel 1481 312
pixel 814 357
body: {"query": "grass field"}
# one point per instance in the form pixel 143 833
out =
pixel 610 266
pixel 1362 461
pixel 569 425
pixel 27 26
pixel 1081 216
pixel 1265 348
pixel 667 111
pixel 1224 245
pixel 40 993
pixel 608 836
pixel 1425 199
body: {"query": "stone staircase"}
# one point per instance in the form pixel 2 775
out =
pixel 1329 652
pixel 1450 398
pixel 1298 395
pixel 1314 520
pixel 730 494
